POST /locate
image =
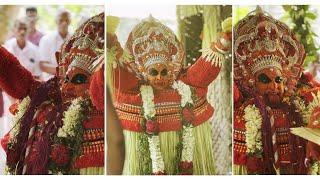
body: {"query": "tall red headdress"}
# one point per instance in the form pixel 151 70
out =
pixel 260 41
pixel 152 42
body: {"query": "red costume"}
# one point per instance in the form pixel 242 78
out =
pixel 35 146
pixel 270 98
pixel 148 79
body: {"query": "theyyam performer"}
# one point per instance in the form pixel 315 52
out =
pixel 59 124
pixel 272 95
pixel 161 105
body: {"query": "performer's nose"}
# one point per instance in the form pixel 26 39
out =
pixel 274 85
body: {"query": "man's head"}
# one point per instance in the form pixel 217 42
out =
pixel 32 16
pixel 269 83
pixel 20 29
pixel 63 20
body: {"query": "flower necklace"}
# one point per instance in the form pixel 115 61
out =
pixel 152 129
pixel 253 122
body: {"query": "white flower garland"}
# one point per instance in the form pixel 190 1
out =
pixel 155 154
pixel 184 91
pixel 149 112
pixel 253 123
pixel 71 119
pixel 148 103
pixel 188 143
pixel 188 140
pixel 22 108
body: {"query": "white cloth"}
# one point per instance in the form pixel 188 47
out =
pixel 48 46
pixel 28 56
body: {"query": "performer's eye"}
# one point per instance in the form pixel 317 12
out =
pixel 264 78
pixel 278 79
pixel 153 72
pixel 79 79
pixel 164 72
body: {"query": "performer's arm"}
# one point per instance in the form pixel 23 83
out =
pixel 123 79
pixel 15 80
pixel 208 66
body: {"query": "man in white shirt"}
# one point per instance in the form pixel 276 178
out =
pixel 24 50
pixel 51 43
pixel 34 35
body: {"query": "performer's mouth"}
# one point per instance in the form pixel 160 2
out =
pixel 274 98
pixel 160 83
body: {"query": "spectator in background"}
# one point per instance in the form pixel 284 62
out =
pixel 34 35
pixel 51 43
pixel 24 50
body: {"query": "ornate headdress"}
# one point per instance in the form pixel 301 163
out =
pixel 151 42
pixel 260 42
pixel 85 47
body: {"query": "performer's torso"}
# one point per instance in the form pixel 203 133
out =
pixel 168 110
pixel 287 144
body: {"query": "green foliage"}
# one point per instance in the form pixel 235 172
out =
pixel 144 154
pixel 301 18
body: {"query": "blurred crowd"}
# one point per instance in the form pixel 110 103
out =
pixel 34 49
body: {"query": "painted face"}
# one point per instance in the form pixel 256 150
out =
pixel 269 84
pixel 159 76
pixel 76 84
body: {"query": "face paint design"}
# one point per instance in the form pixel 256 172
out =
pixel 75 84
pixel 159 76
pixel 269 84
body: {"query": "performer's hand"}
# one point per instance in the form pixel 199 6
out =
pixel 223 44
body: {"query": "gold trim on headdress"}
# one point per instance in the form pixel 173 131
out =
pixel 152 42
pixel 85 47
